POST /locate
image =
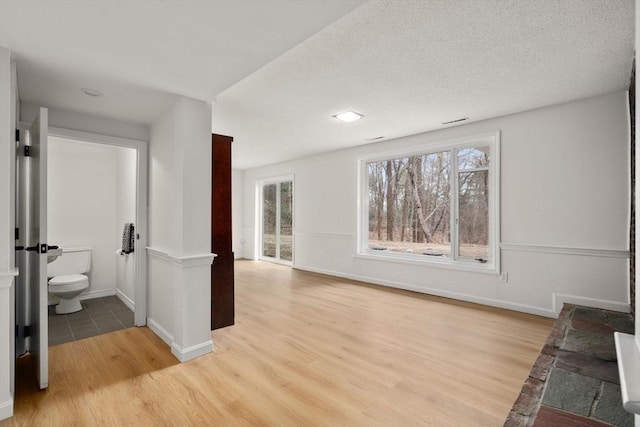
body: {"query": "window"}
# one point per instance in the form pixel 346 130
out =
pixel 435 204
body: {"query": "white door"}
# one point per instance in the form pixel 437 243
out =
pixel 36 251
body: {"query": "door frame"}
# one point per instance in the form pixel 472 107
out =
pixel 259 217
pixel 142 153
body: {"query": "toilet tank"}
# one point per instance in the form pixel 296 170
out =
pixel 74 260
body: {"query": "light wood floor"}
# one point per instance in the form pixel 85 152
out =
pixel 306 350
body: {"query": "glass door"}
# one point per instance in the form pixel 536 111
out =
pixel 277 221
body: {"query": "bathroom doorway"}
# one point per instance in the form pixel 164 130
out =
pixel 91 195
pixel 124 185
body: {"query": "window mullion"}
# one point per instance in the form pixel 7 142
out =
pixel 278 220
pixel 454 204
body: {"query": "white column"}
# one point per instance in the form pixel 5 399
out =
pixel 180 229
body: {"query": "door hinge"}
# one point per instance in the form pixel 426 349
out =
pixel 17 234
pixel 27 151
pixel 17 135
pixel 26 331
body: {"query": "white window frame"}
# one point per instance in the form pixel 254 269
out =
pixel 491 139
pixel 260 218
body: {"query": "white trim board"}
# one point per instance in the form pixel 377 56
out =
pixel 200 260
pixel 125 300
pixel 186 354
pixel 6 409
pixel 161 332
pixel 182 354
pixel 436 292
pixel 325 235
pixel 7 279
pixel 560 299
pixel 565 250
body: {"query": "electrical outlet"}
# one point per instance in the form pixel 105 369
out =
pixel 504 277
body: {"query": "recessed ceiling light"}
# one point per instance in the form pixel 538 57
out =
pixel 348 116
pixel 91 92
pixel 464 119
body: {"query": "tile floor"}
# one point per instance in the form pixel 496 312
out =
pixel 99 316
pixel 575 380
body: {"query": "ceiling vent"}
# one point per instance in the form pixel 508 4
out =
pixel 464 119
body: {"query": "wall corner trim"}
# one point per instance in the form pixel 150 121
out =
pixel 6 409
pixel 186 354
pixel 199 260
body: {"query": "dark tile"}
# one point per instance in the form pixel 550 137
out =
pixel 570 391
pixel 516 420
pixel 549 349
pixel 110 328
pixel 525 404
pixel 60 332
pixel 128 324
pixel 590 343
pixel 586 325
pixel 621 322
pixel 533 387
pixel 594 315
pixel 541 367
pixel 551 417
pixel 99 315
pixel 85 334
pixel 60 340
pixel 104 317
pixel 587 365
pixel 109 323
pixel 81 324
pixel 609 407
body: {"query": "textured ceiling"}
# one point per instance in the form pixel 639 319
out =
pixel 281 68
pixel 408 66
pixel 141 54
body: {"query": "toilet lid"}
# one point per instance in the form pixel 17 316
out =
pixel 67 279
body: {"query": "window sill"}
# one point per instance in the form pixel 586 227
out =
pixel 446 263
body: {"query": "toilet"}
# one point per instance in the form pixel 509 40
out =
pixel 68 277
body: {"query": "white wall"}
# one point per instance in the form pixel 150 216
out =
pixel 237 212
pixel 126 212
pixel 180 228
pixel 87 123
pixel 565 209
pixel 82 206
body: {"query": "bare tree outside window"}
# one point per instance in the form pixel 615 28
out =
pixel 412 203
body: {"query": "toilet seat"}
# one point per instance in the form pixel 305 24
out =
pixel 67 279
pixel 68 283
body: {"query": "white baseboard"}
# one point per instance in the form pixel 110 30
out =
pixel 182 354
pixel 437 292
pixel 186 354
pixel 126 300
pixel 86 295
pixel 160 331
pixel 560 299
pixel 6 409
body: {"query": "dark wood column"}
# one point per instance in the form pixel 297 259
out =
pixel 222 286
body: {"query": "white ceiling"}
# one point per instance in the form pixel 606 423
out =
pixel 281 68
pixel 141 54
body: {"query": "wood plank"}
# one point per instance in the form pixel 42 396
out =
pixel 306 349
